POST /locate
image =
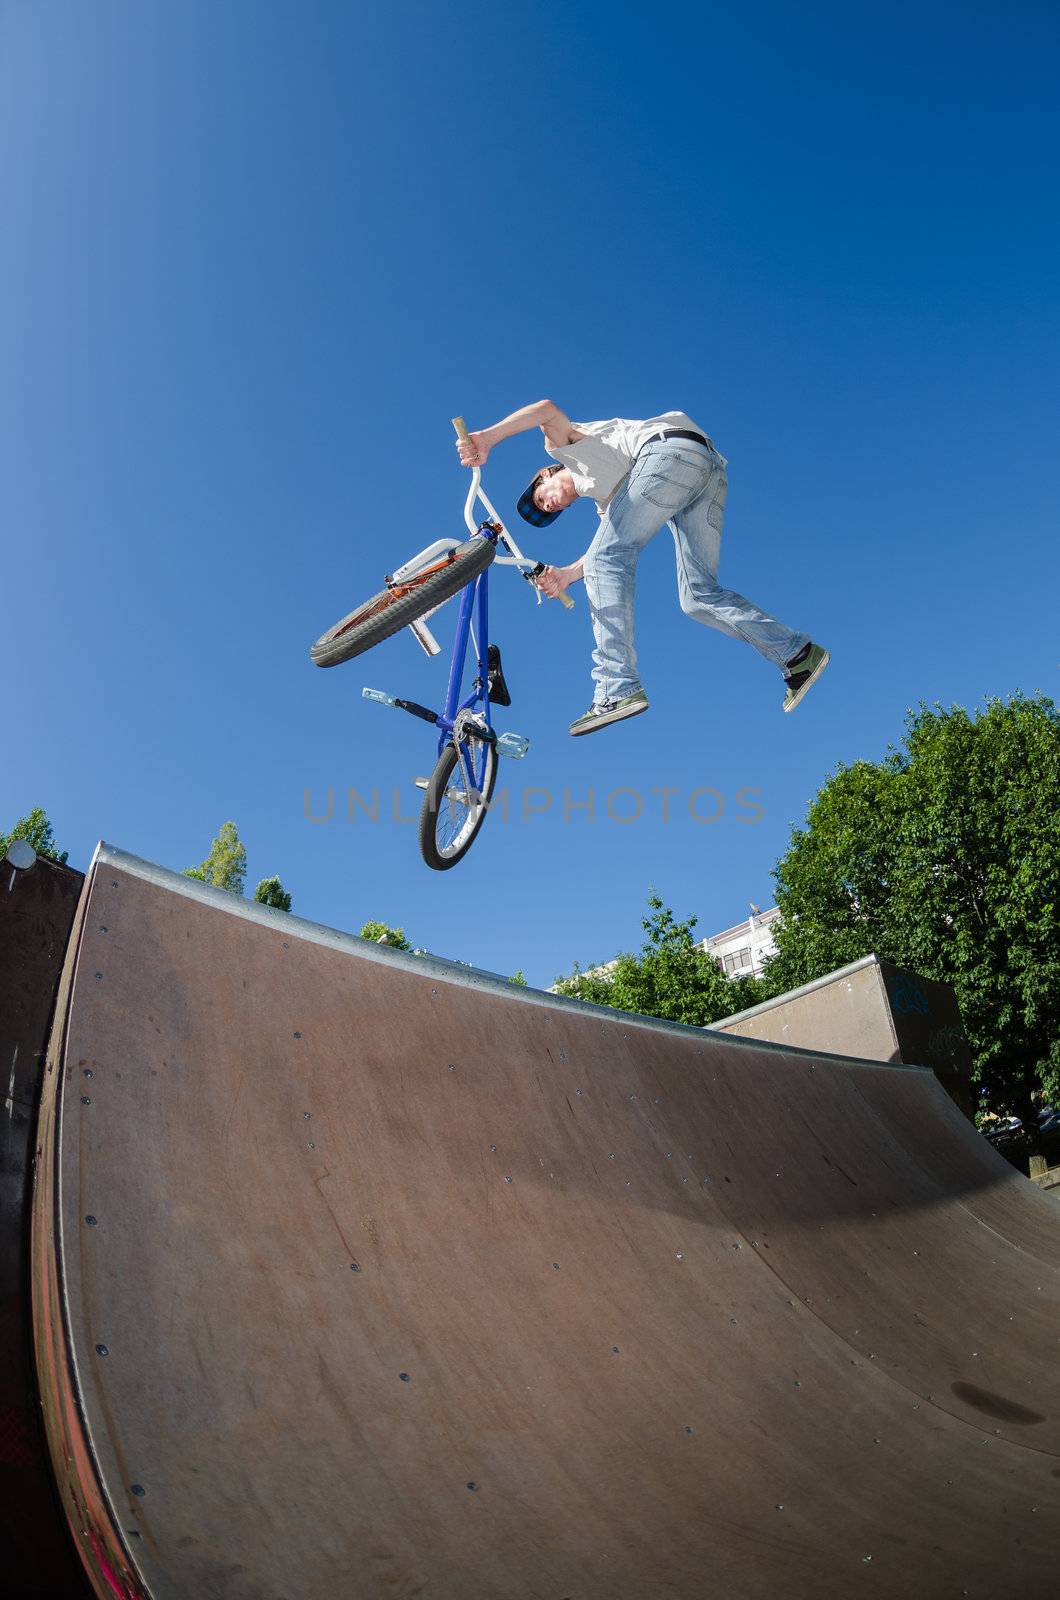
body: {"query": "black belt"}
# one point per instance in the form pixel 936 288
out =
pixel 677 433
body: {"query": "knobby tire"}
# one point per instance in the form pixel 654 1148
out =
pixel 394 608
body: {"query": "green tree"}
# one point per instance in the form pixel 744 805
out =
pixel 271 892
pixel 226 865
pixel 672 977
pixel 37 831
pixel 945 858
pixel 519 977
pixel 379 933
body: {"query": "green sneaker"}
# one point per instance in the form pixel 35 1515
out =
pixel 605 711
pixel 802 672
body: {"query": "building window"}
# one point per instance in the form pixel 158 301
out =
pixel 739 960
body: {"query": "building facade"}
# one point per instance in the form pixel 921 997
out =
pixel 742 951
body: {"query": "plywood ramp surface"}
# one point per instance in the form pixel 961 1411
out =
pixel 380 1277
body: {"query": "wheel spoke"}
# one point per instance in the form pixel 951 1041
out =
pixel 458 814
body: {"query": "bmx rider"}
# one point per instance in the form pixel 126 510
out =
pixel 642 474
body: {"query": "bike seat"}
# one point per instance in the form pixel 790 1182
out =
pixel 496 688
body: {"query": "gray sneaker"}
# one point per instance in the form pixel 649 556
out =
pixel 605 711
pixel 802 672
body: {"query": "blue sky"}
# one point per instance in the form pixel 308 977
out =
pixel 256 255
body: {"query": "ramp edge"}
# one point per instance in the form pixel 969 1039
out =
pixel 439 968
pixel 107 1562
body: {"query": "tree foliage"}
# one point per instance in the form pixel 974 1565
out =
pixel 37 831
pixel 945 858
pixel 672 977
pixel 379 933
pixel 226 868
pixel 271 892
pixel 226 865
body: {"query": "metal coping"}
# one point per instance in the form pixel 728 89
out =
pixel 440 969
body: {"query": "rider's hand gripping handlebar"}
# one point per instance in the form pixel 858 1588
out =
pixel 531 570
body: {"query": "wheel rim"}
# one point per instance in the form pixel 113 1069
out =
pixel 396 591
pixel 457 818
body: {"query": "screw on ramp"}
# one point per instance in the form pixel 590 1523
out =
pixel 374 1276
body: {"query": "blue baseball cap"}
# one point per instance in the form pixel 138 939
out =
pixel 525 504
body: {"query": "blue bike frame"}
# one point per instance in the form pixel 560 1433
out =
pixel 474 600
pixel 474 603
pixel 472 624
pixel 467 720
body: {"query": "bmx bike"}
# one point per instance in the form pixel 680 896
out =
pixel 458 792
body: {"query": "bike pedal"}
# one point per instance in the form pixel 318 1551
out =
pixel 514 745
pixel 496 688
pixel 421 783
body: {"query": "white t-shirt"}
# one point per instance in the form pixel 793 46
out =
pixel 601 461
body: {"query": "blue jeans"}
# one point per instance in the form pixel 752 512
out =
pixel 684 485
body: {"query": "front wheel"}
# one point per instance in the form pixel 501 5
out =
pixel 451 817
pixel 401 603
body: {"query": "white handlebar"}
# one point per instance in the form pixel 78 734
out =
pixel 476 492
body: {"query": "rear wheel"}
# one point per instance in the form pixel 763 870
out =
pixel 401 603
pixel 451 817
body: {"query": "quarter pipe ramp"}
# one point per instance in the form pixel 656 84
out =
pixel 364 1275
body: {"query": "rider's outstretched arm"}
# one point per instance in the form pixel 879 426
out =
pixel 554 424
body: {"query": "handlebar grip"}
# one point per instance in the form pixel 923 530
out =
pixel 461 427
pixel 563 595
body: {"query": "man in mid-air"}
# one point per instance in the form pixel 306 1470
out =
pixel 642 474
